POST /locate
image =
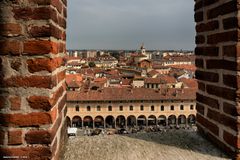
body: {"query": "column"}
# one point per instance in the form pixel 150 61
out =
pixel 32 80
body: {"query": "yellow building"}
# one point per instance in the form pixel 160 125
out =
pixel 122 107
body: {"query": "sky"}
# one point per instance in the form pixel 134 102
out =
pixel 126 24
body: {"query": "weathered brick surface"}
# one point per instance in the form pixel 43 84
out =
pixel 32 47
pixel 15 103
pixel 44 64
pixel 25 120
pixel 217 67
pixel 38 137
pixel 15 137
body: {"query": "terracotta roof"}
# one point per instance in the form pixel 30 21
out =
pixel 163 79
pixel 126 81
pixel 184 66
pixel 190 83
pixel 117 94
pixel 75 77
pixel 153 72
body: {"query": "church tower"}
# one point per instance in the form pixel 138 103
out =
pixel 143 50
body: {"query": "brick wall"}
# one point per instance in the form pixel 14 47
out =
pixel 32 88
pixel 217 51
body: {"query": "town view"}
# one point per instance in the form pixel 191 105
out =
pixel 134 93
pixel 119 80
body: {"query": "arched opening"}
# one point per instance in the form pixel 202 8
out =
pixel 99 122
pixel 77 121
pixel 191 119
pixel 88 121
pixel 152 120
pixel 120 121
pixel 141 120
pixel 110 122
pixel 182 120
pixel 162 120
pixel 131 121
pixel 172 120
pixel 69 124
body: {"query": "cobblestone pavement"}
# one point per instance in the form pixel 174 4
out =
pixel 169 145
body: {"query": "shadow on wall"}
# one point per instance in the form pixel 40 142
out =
pixel 184 139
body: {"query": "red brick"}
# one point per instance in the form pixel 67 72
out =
pixel 208 101
pixel 57 4
pixel 2 137
pixel 231 80
pixel 44 64
pixel 230 23
pixel 215 140
pixel 39 31
pixel 54 146
pixel 222 9
pixel 62 103
pixel 2 101
pixel 64 36
pixel 57 95
pixel 39 102
pixel 207 76
pixel 201 86
pixel 56 126
pixel 40 2
pixel 207 51
pixel 40 13
pixel 201 4
pixel 209 125
pixel 38 137
pixel 210 26
pixel 10 29
pixel 198 16
pixel 223 37
pixel 45 31
pixel 200 39
pixel 36 152
pixel 231 139
pixel 198 5
pixel 199 63
pixel 229 122
pixel 15 103
pixel 231 51
pixel 64 2
pixel 225 93
pixel 62 22
pixel 31 81
pixel 25 120
pixel 61 76
pixel 15 137
pixel 214 115
pixel 65 12
pixel 40 47
pixel 217 64
pixel 10 47
pixel 200 108
pixel 230 109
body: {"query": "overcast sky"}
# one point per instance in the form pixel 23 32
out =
pixel 125 24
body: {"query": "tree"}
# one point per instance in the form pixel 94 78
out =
pixel 91 64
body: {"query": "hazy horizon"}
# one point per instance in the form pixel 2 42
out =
pixel 124 25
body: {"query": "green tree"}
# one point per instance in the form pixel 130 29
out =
pixel 91 64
